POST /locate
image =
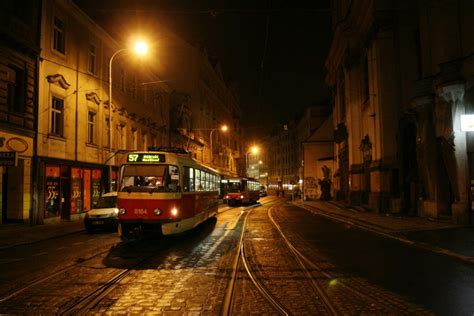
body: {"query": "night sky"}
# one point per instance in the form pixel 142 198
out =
pixel 274 50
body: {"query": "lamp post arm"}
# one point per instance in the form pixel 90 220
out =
pixel 110 114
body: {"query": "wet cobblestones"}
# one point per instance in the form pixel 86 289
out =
pixel 190 275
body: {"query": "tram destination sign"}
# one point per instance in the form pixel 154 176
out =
pixel 8 158
pixel 142 157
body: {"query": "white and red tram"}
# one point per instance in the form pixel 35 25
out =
pixel 165 191
pixel 240 190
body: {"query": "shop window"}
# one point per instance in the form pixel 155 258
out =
pixel 52 205
pixel 114 180
pixel 96 186
pixel 57 116
pixel 86 193
pixel 59 35
pixel 76 191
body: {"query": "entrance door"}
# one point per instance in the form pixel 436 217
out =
pixel 65 198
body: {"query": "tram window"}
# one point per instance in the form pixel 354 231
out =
pixel 188 179
pixel 203 181
pixel 197 179
pixel 154 178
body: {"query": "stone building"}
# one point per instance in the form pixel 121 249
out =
pixel 402 74
pixel 74 127
pixel 283 166
pixel 202 102
pixel 19 58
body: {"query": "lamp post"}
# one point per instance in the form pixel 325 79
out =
pixel 222 128
pixel 140 48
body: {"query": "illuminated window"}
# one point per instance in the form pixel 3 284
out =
pixel 57 118
pixel 90 127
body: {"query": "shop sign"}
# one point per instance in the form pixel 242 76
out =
pixel 8 158
pixel 20 144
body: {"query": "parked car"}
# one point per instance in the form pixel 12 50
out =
pixel 104 214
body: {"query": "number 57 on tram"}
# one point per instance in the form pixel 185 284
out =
pixel 164 191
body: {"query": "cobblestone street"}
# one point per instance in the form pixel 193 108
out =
pixel 288 251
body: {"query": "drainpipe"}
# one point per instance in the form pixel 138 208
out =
pixel 76 128
pixel 35 170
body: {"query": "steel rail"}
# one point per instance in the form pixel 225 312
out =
pixel 50 276
pixel 88 302
pixel 240 256
pixel 299 257
pixel 329 276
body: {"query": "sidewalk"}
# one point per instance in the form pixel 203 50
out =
pixel 20 234
pixel 436 236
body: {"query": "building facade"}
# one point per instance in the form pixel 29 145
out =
pixel 282 156
pixel 77 118
pixel 19 58
pixel 401 75
pixel 201 103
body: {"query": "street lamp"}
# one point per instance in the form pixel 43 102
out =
pixel 140 48
pixel 223 128
pixel 253 150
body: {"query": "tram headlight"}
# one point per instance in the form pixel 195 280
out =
pixel 157 211
pixel 241 196
pixel 122 211
pixel 174 211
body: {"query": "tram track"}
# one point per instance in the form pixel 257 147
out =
pixel 241 258
pixel 243 263
pixel 332 293
pixel 41 280
pixel 85 303
pixel 378 300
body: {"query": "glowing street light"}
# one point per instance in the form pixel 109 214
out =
pixel 140 48
pixel 223 128
pixel 254 150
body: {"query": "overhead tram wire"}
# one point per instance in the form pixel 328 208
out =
pixel 217 12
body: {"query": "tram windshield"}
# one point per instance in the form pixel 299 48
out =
pixel 233 187
pixel 150 178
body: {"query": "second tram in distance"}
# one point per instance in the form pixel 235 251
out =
pixel 165 191
pixel 240 190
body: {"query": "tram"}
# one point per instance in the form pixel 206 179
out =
pixel 165 191
pixel 240 190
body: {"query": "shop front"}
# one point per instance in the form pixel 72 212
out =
pixel 71 190
pixel 15 177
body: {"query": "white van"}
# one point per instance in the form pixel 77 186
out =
pixel 104 214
